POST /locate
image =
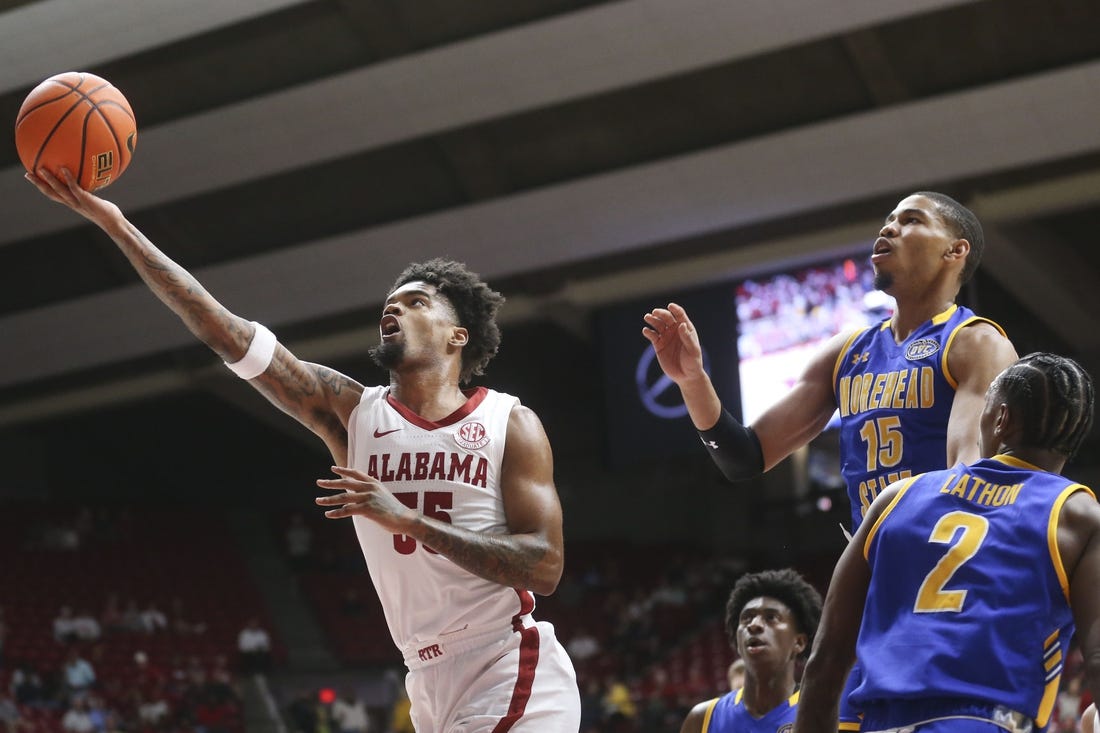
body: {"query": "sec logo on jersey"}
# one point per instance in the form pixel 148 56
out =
pixel 472 435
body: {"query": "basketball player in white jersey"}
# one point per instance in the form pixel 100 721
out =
pixel 451 491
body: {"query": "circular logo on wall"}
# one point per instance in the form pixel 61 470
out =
pixel 472 435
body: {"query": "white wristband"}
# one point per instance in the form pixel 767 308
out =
pixel 259 355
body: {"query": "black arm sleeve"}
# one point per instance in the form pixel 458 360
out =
pixel 734 448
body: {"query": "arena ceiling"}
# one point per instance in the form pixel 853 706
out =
pixel 296 154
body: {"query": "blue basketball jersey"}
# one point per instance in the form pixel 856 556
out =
pixel 727 714
pixel 969 601
pixel 894 402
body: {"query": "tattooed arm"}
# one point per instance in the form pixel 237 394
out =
pixel 319 398
pixel 529 557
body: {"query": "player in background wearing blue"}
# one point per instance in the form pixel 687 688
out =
pixel 771 619
pixel 909 391
pixel 970 581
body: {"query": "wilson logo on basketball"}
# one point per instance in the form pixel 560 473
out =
pixel 472 436
pixel 104 164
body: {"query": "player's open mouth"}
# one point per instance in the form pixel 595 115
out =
pixel 389 326
pixel 882 247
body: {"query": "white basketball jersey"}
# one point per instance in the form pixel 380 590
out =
pixel 449 470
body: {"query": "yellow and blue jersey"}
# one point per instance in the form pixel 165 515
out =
pixel 727 714
pixel 894 402
pixel 968 607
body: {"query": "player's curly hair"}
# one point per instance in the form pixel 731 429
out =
pixel 784 585
pixel 475 305
pixel 1056 398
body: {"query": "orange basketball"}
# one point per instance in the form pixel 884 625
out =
pixel 77 121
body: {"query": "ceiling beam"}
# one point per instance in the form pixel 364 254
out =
pixel 872 63
pixel 43 38
pixel 1014 266
pixel 993 129
pixel 609 46
pixel 1049 278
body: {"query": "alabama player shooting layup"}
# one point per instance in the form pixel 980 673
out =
pixel 452 492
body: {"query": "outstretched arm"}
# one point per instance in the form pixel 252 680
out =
pixel 529 557
pixel 318 397
pixel 734 448
pixel 834 648
pixel 802 413
pixel 743 452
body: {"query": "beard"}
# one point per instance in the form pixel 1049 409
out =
pixel 883 280
pixel 388 355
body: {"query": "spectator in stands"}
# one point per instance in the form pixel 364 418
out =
pixel 221 685
pixel 635 621
pixel 221 679
pixel 27 687
pixel 618 705
pixel 64 625
pixel 112 724
pixel 1068 709
pixel 349 714
pixel 144 675
pixel 400 718
pixel 98 712
pixel 131 617
pixel 181 623
pixel 10 719
pixel 79 676
pixel 86 626
pixel 299 542
pixel 592 712
pixel 153 619
pixel 661 709
pixel 77 718
pixel 111 618
pixel 302 712
pixel 669 592
pixel 60 537
pixel 214 714
pixel 152 711
pixel 583 646
pixel 254 645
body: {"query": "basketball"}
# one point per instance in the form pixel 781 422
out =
pixel 77 121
